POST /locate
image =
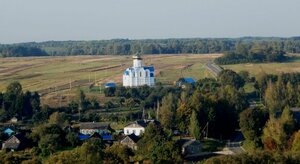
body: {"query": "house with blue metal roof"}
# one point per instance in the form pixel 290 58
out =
pixel 185 80
pixel 8 131
pixel 111 84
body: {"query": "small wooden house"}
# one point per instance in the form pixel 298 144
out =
pixel 14 120
pixel 15 142
pixel 130 141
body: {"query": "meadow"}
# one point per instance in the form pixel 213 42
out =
pixel 40 73
pixel 56 78
pixel 292 65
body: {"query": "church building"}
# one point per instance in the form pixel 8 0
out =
pixel 138 75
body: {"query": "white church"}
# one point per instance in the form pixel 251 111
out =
pixel 138 75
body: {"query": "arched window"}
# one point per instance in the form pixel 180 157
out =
pixel 147 74
pixel 140 74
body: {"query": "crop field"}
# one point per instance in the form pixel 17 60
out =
pixel 49 74
pixel 270 68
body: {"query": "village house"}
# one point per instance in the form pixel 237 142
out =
pixel 89 128
pixel 8 131
pixel 190 146
pixel 183 81
pixel 110 85
pixel 130 141
pixel 13 120
pixel 138 127
pixel 15 142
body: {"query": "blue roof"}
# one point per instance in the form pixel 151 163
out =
pixel 150 68
pixel 126 72
pixel 110 85
pixel 83 137
pixel 107 137
pixel 8 131
pixel 189 80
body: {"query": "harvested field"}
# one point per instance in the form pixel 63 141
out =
pixel 50 74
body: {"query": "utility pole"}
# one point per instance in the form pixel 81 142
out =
pixel 89 77
pixel 70 84
pixel 79 109
pixel 143 116
pixel 60 99
pixel 157 111
pixel 207 130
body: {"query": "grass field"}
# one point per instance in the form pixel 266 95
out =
pixel 292 65
pixel 46 73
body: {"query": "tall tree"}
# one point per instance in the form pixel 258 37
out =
pixel 167 111
pixel 229 77
pixel 251 123
pixel 194 128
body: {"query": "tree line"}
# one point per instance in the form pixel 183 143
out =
pixel 147 46
pixel 256 53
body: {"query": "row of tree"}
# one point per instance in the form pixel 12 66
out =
pixel 158 46
pixel 15 103
pixel 256 53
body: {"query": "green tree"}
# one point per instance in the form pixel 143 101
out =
pixel 58 119
pixel 272 98
pixel 13 99
pixel 251 123
pixel 50 138
pixel 167 111
pixel 296 142
pixel 92 151
pixel 194 128
pixel 156 146
pixel 277 132
pixel 72 139
pixel 81 100
pixel 118 153
pixel 110 91
pixel 229 77
pixel 287 121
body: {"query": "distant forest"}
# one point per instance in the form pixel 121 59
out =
pixel 151 46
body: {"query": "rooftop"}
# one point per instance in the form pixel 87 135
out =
pixel 94 125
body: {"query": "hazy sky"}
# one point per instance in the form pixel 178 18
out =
pixel 42 20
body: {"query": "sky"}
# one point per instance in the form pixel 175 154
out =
pixel 43 20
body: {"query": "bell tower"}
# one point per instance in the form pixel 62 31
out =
pixel 137 60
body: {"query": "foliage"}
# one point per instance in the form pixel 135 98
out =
pixel 256 53
pixel 257 157
pixel 90 152
pixel 296 142
pixel 58 119
pixel 156 146
pixel 247 48
pixel 110 91
pixel 72 139
pixel 167 111
pixel 118 153
pixel 20 50
pixel 277 132
pixel 251 123
pixel 229 77
pixel 194 128
pixel 50 138
pixel 17 103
